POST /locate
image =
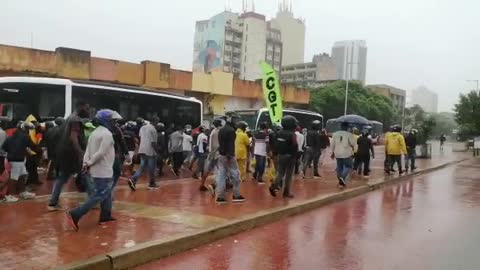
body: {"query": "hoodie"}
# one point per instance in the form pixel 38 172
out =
pixel 395 144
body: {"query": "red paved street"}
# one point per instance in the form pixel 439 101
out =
pixel 32 238
pixel 428 222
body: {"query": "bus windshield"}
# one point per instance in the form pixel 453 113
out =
pixel 250 117
pixel 19 100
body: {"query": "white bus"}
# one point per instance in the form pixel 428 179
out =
pixel 254 117
pixel 48 98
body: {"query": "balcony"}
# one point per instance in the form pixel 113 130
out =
pixel 237 50
pixel 236 59
pixel 237 39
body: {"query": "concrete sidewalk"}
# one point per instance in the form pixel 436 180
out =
pixel 155 224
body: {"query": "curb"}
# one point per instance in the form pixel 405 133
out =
pixel 153 250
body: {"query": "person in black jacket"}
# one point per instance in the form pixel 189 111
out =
pixel 227 163
pixel 365 147
pixel 51 139
pixel 411 143
pixel 313 150
pixel 287 148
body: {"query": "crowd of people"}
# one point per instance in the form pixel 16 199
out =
pixel 96 151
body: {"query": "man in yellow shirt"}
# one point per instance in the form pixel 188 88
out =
pixel 395 147
pixel 242 143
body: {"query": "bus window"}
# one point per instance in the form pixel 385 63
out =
pixel 133 105
pixel 44 101
pixel 250 117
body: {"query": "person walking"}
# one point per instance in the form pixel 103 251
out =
pixel 313 150
pixel 98 164
pixel 227 163
pixel 395 147
pixel 188 147
pixel 121 149
pixel 51 139
pixel 411 144
pixel 287 148
pixel 324 144
pixel 260 150
pixel 357 161
pixel 242 144
pixel 213 155
pixel 175 148
pixel 202 152
pixel 162 148
pixel 365 152
pixel 16 147
pixel 301 145
pixel 343 145
pixel 70 151
pixel 443 138
pixel 148 154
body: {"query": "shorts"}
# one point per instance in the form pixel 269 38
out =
pixel 17 170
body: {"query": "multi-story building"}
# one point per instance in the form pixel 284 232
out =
pixel 350 57
pixel 236 44
pixel 396 95
pixel 312 74
pixel 425 98
pixel 293 34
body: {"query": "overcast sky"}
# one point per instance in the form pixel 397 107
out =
pixel 410 42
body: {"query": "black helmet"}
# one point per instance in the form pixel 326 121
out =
pixel 316 124
pixel 217 122
pixel 49 124
pixel 59 121
pixel 397 128
pixel 160 126
pixel 289 122
pixel 242 125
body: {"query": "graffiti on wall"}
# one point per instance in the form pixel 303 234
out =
pixel 210 56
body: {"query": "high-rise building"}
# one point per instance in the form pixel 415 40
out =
pixel 236 43
pixel 425 98
pixel 396 95
pixel 320 71
pixel 350 57
pixel 293 34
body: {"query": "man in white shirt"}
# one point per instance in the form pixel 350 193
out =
pixel 212 155
pixel 260 150
pixel 202 144
pixel 98 162
pixel 147 150
pixel 301 142
pixel 187 146
pixel 343 145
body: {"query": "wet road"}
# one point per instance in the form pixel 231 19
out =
pixel 428 222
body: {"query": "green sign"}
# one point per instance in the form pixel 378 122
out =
pixel 271 91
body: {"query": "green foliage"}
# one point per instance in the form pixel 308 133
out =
pixel 468 113
pixel 329 101
pixel 426 129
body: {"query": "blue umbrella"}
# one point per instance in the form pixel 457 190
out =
pixel 354 119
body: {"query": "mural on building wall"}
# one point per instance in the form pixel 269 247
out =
pixel 210 56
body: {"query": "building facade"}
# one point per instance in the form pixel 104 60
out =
pixel 350 58
pixel 236 43
pixel 321 70
pixel 396 95
pixel 293 34
pixel 425 98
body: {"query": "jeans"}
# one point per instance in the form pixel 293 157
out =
pixel 344 166
pixel 311 155
pixel 365 160
pixel 102 193
pixel 148 162
pixel 260 162
pixel 411 156
pixel 392 159
pixel 200 163
pixel 286 164
pixel 227 167
pixel 177 161
pixel 61 179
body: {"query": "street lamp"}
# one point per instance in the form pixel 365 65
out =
pixel 349 66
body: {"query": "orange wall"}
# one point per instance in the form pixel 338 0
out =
pixel 102 69
pixel 72 63
pixel 27 60
pixel 180 79
pixel 156 74
pixel 290 93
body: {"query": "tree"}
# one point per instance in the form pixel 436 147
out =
pixel 468 113
pixel 445 123
pixel 330 100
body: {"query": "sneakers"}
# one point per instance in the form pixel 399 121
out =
pixel 132 185
pixel 342 182
pixel 106 221
pixel 220 201
pixel 211 188
pixel 52 208
pixel 10 199
pixel 238 199
pixel 153 187
pixel 27 195
pixel 72 221
pixel 261 182
pixel 272 190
